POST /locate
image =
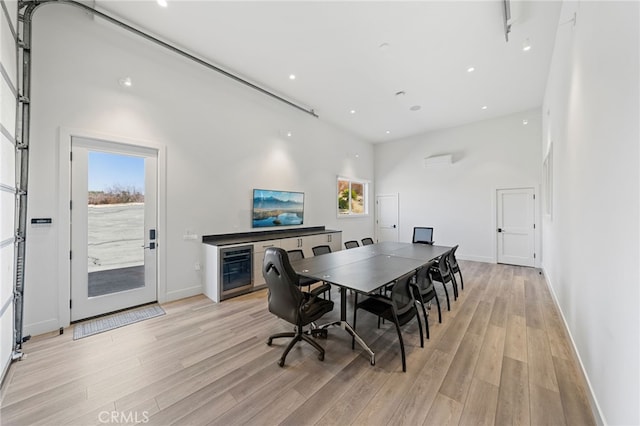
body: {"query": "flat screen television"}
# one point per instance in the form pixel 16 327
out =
pixel 277 208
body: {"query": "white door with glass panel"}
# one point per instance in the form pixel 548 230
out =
pixel 387 217
pixel 516 226
pixel 113 227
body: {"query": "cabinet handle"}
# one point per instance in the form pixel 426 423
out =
pixel 329 239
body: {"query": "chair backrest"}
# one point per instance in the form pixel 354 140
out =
pixel 284 297
pixel 443 264
pixel 451 258
pixel 295 254
pixel 318 250
pixel 367 241
pixel 424 282
pixel 401 294
pixel 351 244
pixel 422 235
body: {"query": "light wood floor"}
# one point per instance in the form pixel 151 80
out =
pixel 501 356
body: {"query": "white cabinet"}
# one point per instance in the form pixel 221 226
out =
pixel 333 240
pixel 304 243
pixel 292 243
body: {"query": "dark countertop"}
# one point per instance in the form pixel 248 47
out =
pixel 251 237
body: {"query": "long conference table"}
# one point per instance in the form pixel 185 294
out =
pixel 366 270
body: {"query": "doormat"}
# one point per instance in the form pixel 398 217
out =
pixel 98 325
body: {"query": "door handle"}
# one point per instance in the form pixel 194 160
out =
pixel 151 246
pixel 499 229
pixel 394 226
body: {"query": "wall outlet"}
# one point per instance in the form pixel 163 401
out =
pixel 197 266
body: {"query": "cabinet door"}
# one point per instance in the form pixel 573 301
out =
pixel 258 258
pixel 291 243
pixel 335 241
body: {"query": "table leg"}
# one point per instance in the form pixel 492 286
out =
pixel 343 324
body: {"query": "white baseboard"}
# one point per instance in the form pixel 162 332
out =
pixel 483 259
pixel 183 293
pixel 41 327
pixel 595 407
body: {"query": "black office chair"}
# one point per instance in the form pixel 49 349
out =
pixel 367 241
pixel 286 301
pixel 399 308
pixel 422 235
pixel 351 244
pixel 424 292
pixel 455 268
pixel 441 272
pixel 318 250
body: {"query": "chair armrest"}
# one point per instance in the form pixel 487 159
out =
pixel 319 290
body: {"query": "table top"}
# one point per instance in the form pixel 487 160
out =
pixel 366 269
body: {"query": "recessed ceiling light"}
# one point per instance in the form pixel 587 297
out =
pixel 526 45
pixel 401 93
pixel 292 76
pixel 353 111
pixel 415 108
pixel 125 82
pixel 357 155
pixel 484 107
pixel 162 3
pixel 525 122
pixel 289 133
pixel 384 46
pixel 471 69
pixel 388 132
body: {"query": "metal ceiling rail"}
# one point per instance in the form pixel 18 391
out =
pixel 26 9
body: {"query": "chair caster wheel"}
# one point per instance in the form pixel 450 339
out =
pixel 323 334
pixel 281 362
pixel 269 342
pixel 321 357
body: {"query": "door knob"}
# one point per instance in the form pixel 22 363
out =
pixel 499 229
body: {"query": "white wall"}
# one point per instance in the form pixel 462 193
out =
pixel 222 139
pixel 8 91
pixel 459 200
pixel 590 252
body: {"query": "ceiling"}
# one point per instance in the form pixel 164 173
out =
pixel 381 70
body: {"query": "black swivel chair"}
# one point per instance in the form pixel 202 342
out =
pixel 351 244
pixel 453 265
pixel 441 272
pixel 424 292
pixel 367 241
pixel 422 235
pixel 399 308
pixel 287 301
pixel 318 250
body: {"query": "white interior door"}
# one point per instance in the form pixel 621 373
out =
pixel 387 217
pixel 113 227
pixel 516 226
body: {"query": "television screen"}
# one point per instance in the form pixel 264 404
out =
pixel 277 208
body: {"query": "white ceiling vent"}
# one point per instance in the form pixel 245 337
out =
pixel 438 161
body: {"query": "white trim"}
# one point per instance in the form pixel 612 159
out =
pixel 596 410
pixel 183 293
pixel 366 183
pixel 64 190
